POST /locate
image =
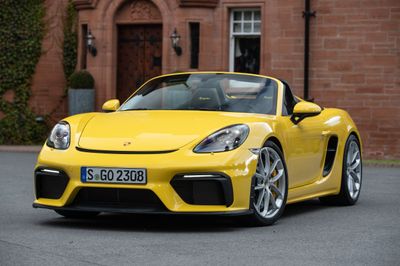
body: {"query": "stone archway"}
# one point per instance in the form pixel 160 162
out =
pixel 103 18
pixel 139 45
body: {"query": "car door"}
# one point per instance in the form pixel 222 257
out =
pixel 305 145
pixel 305 152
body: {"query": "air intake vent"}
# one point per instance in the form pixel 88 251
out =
pixel 121 198
pixel 330 155
pixel 50 183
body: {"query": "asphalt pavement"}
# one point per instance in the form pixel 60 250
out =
pixel 309 233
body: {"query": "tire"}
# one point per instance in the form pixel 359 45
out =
pixel 76 214
pixel 269 185
pixel 351 180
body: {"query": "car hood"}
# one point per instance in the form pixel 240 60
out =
pixel 153 131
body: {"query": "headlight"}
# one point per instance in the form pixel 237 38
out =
pixel 60 136
pixel 226 139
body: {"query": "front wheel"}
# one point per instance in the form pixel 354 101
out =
pixel 270 186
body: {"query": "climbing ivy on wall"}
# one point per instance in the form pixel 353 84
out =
pixel 70 41
pixel 21 34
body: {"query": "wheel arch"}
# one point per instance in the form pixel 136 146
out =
pixel 277 142
pixel 357 135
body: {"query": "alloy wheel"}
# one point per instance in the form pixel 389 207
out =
pixel 353 171
pixel 270 183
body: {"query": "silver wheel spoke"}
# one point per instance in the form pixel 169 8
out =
pixel 260 198
pixel 277 177
pixel 357 186
pixel 266 162
pixel 266 201
pixel 258 187
pixel 351 184
pixel 354 156
pixel 273 202
pixel 276 190
pixel 355 177
pixel 273 166
pixel 260 177
pixel 355 164
pixel 354 186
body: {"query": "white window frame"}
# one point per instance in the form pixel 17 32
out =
pixel 233 35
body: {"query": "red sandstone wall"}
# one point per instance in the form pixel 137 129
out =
pixel 355 62
pixel 361 43
pixel 48 83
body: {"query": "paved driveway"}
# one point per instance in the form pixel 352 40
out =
pixel 307 234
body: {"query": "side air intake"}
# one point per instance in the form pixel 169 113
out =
pixel 330 155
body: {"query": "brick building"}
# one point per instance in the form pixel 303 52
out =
pixel 354 52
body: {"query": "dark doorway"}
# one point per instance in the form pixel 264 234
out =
pixel 139 56
pixel 247 55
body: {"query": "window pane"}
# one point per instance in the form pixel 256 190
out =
pixel 194 44
pixel 247 15
pixel 237 27
pixel 257 27
pixel 247 27
pixel 257 15
pixel 237 15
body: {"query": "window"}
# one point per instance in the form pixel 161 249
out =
pixel 194 44
pixel 84 31
pixel 245 41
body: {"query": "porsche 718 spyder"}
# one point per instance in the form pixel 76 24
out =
pixel 201 143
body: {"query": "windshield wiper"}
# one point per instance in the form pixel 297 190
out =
pixel 135 109
pixel 198 109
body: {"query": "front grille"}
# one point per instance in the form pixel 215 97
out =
pixel 121 198
pixel 50 185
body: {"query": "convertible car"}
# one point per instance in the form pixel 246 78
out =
pixel 212 143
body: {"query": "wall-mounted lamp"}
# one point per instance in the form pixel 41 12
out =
pixel 90 43
pixel 175 38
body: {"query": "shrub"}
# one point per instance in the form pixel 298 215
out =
pixel 81 80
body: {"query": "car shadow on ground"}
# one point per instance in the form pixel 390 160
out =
pixel 305 207
pixel 174 223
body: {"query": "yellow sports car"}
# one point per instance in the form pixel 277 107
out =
pixel 201 143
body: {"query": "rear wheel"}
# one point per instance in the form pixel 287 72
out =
pixel 76 214
pixel 351 175
pixel 269 186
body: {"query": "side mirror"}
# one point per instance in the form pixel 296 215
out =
pixel 111 105
pixel 304 109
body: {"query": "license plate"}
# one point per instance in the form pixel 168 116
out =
pixel 113 175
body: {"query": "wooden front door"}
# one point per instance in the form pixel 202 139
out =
pixel 139 56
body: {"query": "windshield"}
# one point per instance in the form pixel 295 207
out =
pixel 209 92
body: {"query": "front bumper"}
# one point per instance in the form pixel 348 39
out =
pixel 142 211
pixel 162 171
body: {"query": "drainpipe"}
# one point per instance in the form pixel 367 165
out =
pixel 307 14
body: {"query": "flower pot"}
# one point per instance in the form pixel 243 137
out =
pixel 80 101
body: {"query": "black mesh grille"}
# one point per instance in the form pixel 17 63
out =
pixel 50 185
pixel 118 198
pixel 204 191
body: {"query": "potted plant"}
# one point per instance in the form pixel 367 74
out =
pixel 81 93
